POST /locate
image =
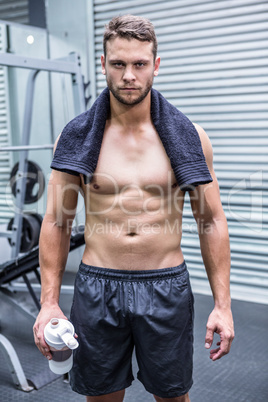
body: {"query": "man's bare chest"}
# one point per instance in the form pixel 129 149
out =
pixel 140 162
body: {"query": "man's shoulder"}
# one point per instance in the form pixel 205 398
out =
pixel 202 134
pixel 206 144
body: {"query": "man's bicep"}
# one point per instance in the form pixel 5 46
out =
pixel 62 194
pixel 206 202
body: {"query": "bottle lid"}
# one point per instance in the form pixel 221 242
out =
pixel 68 338
pixel 59 333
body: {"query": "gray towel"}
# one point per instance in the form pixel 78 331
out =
pixel 80 142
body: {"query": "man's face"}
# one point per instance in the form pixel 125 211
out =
pixel 130 69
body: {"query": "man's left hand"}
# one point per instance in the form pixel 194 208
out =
pixel 220 321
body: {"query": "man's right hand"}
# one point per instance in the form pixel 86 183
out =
pixel 46 313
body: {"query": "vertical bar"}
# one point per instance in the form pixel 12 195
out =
pixel 51 117
pixel 22 170
pixel 38 277
pixel 78 92
pixel 78 86
pixel 91 51
pixel 31 291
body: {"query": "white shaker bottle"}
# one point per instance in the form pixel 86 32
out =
pixel 59 335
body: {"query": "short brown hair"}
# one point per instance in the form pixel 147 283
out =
pixel 130 27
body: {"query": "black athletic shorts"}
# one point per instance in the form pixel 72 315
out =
pixel 115 310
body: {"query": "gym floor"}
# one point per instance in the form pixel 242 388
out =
pixel 242 376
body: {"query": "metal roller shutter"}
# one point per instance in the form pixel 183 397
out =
pixel 6 199
pixel 214 69
pixel 14 10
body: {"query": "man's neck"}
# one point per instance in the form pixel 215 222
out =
pixel 130 116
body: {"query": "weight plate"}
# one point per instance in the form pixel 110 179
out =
pixel 35 182
pixel 36 216
pixel 31 226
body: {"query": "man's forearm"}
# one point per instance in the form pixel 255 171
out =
pixel 215 249
pixel 54 248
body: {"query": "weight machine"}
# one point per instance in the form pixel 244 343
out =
pixel 24 176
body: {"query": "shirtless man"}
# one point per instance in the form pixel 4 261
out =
pixel 132 287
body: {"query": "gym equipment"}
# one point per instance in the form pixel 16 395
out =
pixel 35 182
pixel 19 266
pixel 14 365
pixel 26 147
pixel 38 217
pixel 25 193
pixel 31 226
pixel 10 271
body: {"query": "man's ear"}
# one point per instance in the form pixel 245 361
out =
pixel 103 64
pixel 156 66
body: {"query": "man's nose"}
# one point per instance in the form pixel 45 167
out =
pixel 128 74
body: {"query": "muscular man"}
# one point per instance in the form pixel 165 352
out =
pixel 132 287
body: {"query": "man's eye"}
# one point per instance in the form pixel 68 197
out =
pixel 140 64
pixel 117 64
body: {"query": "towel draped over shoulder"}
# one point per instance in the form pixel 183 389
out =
pixel 80 142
